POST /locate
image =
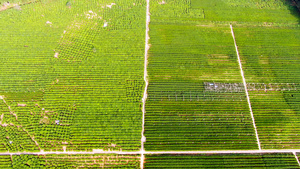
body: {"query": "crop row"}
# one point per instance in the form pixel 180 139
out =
pixel 270 58
pixel 181 112
pixel 70 161
pixel 50 104
pixel 264 160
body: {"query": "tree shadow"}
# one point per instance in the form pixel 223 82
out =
pixel 294 7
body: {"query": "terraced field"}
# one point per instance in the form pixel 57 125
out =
pixel 212 84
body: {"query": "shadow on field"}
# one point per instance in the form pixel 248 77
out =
pixel 294 7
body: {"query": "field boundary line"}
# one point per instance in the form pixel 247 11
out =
pixel 296 158
pixel 225 151
pixel 147 46
pixel 158 152
pixel 245 86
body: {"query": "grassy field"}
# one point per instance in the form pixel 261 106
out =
pixel 276 160
pixel 72 75
pixel 70 161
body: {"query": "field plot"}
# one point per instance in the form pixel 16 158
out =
pixel 72 75
pixel 70 161
pixel 247 11
pixel 276 160
pixel 72 78
pixel 181 112
pixel 270 58
pixel 5 162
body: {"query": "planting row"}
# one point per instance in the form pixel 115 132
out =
pixel 72 76
pixel 70 161
pixel 263 160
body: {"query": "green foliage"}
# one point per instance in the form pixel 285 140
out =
pixel 185 53
pixel 71 72
pixel 260 4
pixel 5 161
pixel 72 76
pixel 174 9
pixel 270 55
pixel 266 160
pixel 247 11
pixel 181 114
pixel 69 161
pixel 27 161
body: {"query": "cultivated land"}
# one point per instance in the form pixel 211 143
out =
pixel 273 62
pixel 70 161
pixel 73 87
pixel 278 160
pixel 72 75
pixel 180 113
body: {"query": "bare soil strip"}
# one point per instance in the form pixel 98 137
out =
pixel 159 152
pixel 245 85
pixel 147 46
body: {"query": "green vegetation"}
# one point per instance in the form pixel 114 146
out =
pixel 267 160
pixel 72 75
pixel 270 55
pixel 248 11
pixel 70 161
pixel 181 114
pixel 72 80
pixel 5 161
pixel 188 51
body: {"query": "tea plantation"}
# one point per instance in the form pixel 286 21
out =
pixel 180 113
pixel 71 75
pixel 271 56
pixel 215 86
pixel 189 52
pixel 267 160
pixel 70 161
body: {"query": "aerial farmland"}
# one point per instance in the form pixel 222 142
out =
pixel 149 84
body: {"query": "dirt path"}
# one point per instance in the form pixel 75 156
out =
pixel 147 46
pixel 159 152
pixel 296 158
pixel 245 85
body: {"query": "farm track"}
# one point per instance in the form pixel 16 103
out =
pixel 245 85
pixel 143 139
pixel 294 151
pixel 295 154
